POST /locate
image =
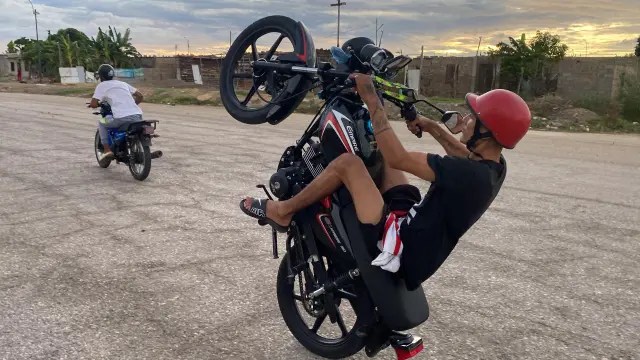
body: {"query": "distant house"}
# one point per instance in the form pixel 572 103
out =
pixel 11 64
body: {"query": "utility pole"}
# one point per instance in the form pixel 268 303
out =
pixel 188 46
pixel 339 4
pixel 479 42
pixel 378 28
pixel 59 54
pixel 421 64
pixel 586 48
pixel 229 39
pixel 474 70
pixel 35 15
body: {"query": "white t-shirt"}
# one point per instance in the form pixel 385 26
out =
pixel 118 94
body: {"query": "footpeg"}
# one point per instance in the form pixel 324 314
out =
pixel 406 345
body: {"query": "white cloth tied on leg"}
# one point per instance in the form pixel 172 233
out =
pixel 390 246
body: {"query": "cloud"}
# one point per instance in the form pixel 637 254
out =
pixel 442 26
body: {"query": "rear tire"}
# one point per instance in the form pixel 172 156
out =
pixel 140 165
pixel 294 92
pixel 99 150
pixel 333 349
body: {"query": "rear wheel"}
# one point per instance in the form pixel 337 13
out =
pixel 140 161
pixel 99 150
pixel 308 320
pixel 256 97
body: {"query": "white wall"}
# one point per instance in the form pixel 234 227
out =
pixel 74 75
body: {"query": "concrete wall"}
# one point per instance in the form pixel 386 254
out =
pixel 160 68
pixel 454 76
pixel 209 69
pixel 441 76
pixel 593 76
pixel 5 68
pixel 5 65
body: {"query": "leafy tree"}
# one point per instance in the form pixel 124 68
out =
pixel 71 47
pixel 11 48
pixel 638 47
pixel 115 47
pixel 531 60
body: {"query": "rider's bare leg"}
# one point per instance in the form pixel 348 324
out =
pixel 392 177
pixel 347 169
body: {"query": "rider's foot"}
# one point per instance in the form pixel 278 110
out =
pixel 272 211
pixel 106 156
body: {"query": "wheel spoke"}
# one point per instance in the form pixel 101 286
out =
pixel 274 47
pixel 254 51
pixel 346 295
pixel 250 94
pixel 340 322
pixel 298 297
pixel 243 76
pixel 318 323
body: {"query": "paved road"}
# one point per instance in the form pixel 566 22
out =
pixel 94 264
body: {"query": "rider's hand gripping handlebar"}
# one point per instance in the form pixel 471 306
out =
pixel 410 113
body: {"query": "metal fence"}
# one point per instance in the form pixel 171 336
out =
pixel 130 73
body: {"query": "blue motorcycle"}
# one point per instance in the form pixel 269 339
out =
pixel 130 144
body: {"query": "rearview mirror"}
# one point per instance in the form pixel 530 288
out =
pixel 453 120
pixel 397 63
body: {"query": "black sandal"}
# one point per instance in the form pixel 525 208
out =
pixel 258 210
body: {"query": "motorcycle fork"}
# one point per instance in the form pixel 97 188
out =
pixel 305 239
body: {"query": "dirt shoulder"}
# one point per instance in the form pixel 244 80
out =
pixel 550 113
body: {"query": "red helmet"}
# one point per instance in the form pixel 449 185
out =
pixel 504 113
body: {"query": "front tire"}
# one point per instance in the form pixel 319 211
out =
pixel 289 95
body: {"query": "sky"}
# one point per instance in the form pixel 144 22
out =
pixel 449 27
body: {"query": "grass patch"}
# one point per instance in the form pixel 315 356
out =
pixel 172 97
pixel 615 125
pixel 74 91
pixel 445 100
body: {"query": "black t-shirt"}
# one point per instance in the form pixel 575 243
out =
pixel 462 191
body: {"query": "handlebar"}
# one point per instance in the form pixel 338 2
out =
pixel 295 69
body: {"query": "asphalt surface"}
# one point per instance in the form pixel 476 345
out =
pixel 96 265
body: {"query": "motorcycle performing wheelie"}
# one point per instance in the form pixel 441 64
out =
pixel 326 270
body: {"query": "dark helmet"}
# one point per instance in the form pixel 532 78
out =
pixel 106 72
pixel 356 44
pixel 367 51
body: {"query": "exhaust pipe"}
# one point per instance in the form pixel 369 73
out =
pixel 156 154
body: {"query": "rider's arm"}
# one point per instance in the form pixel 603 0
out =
pixel 137 96
pixel 450 143
pixel 97 95
pixel 392 150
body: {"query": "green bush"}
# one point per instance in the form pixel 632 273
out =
pixel 630 97
pixel 600 105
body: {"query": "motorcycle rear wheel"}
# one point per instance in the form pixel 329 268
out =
pixel 349 343
pixel 99 150
pixel 140 164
